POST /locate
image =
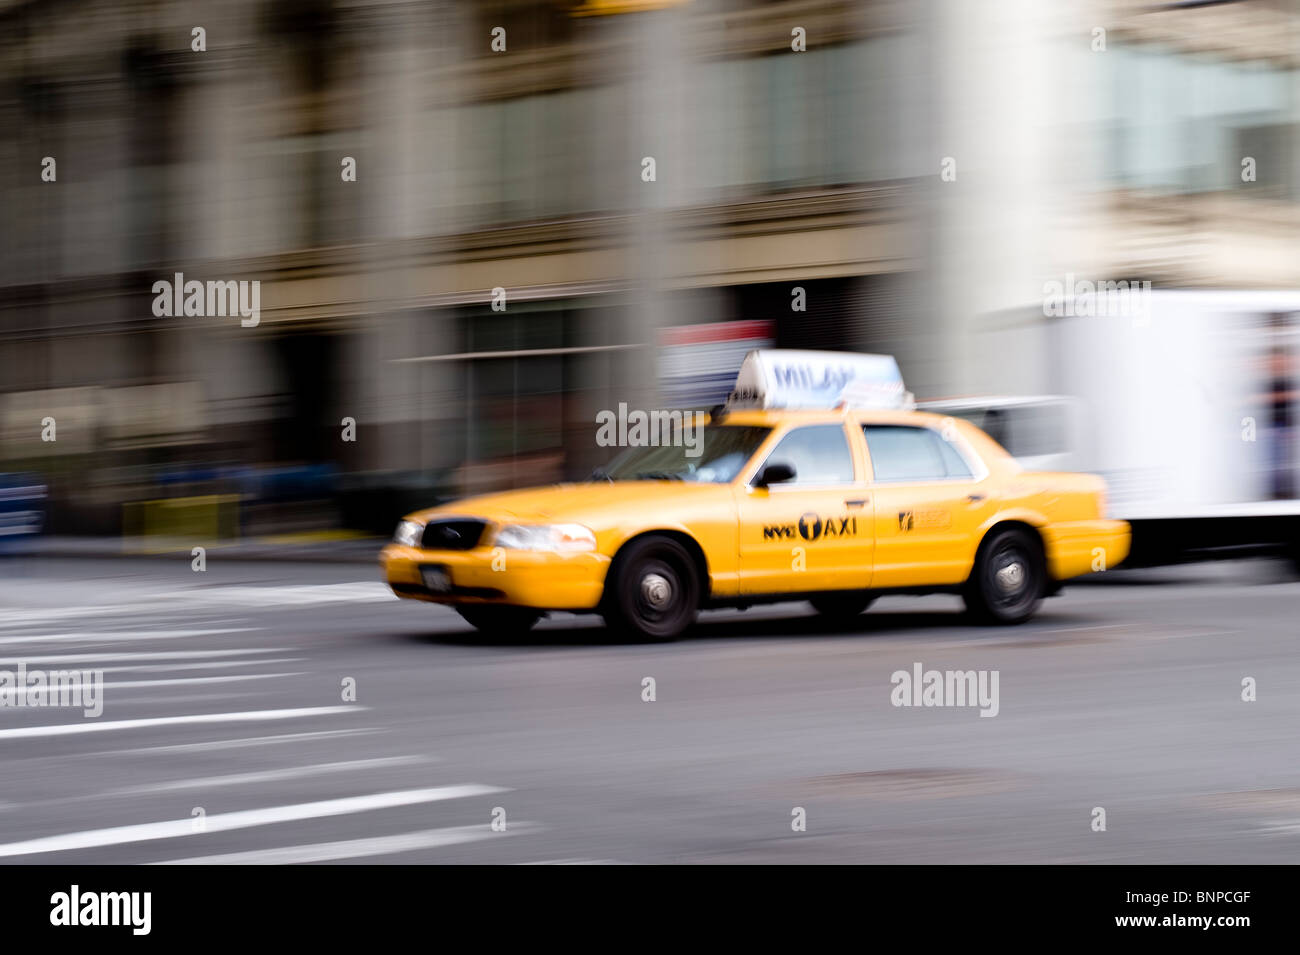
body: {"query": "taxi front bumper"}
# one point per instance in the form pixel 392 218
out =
pixel 517 578
pixel 1084 547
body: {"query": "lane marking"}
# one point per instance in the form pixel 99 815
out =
pixel 97 726
pixel 150 603
pixel 356 848
pixel 178 681
pixel 43 617
pixel 121 636
pixel 570 861
pixel 265 776
pixel 162 655
pixel 237 743
pixel 213 665
pixel 244 819
pixel 1291 828
pixel 290 595
pixel 188 680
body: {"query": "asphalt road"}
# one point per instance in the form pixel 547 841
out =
pixel 225 736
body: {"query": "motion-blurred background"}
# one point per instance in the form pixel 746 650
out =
pixel 900 177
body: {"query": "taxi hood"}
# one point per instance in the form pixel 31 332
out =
pixel 593 501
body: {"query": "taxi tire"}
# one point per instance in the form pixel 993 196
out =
pixel 500 621
pixel 842 607
pixel 640 569
pixel 989 597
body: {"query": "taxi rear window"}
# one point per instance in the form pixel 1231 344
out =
pixel 905 453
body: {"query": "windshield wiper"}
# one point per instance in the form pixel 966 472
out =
pixel 600 474
pixel 657 476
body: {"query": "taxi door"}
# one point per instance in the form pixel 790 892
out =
pixel 930 496
pixel 811 531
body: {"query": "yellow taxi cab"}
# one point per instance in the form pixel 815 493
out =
pixel 775 499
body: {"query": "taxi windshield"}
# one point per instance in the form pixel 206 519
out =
pixel 714 455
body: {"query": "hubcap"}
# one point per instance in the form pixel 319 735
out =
pixel 656 591
pixel 1011 576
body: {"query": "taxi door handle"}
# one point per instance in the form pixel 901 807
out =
pixel 974 498
pixel 857 502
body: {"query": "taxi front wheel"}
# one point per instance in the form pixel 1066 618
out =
pixel 1009 578
pixel 654 590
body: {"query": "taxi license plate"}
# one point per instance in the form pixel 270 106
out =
pixel 436 579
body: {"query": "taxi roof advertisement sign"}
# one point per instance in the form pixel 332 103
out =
pixel 698 363
pixel 783 378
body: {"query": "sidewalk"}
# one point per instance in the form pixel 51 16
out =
pixel 340 547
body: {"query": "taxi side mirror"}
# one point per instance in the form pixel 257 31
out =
pixel 776 473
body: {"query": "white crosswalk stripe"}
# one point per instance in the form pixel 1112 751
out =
pixel 247 741
pixel 359 848
pixel 106 726
pixel 193 638
pixel 47 693
pixel 225 822
pixel 269 775
pixel 101 636
pixel 119 656
pixel 153 603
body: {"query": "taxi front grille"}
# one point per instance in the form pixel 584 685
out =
pixel 455 534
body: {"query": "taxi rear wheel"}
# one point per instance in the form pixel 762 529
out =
pixel 654 592
pixel 500 621
pixel 841 606
pixel 1009 578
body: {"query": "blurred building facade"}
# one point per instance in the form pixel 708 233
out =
pixel 918 168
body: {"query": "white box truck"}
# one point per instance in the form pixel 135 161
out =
pixel 1187 406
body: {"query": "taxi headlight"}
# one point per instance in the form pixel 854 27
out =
pixel 559 538
pixel 408 533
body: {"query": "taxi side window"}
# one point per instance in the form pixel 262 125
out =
pixel 905 453
pixel 819 454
